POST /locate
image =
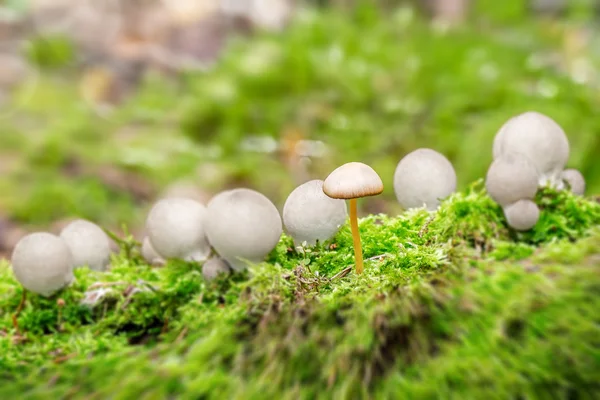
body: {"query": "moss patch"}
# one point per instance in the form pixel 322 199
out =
pixel 449 305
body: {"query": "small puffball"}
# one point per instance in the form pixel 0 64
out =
pixel 242 224
pixel 511 178
pixel 42 263
pixel 423 178
pixel 574 180
pixel 215 267
pixel 540 139
pixel 89 244
pixel 310 215
pixel 176 229
pixel 149 254
pixel 522 215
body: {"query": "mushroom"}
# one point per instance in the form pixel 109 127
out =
pixel 214 267
pixel 352 181
pixel 309 215
pixel 149 254
pixel 423 178
pixel 88 243
pixel 574 180
pixel 522 215
pixel 242 226
pixel 176 229
pixel 511 178
pixel 538 138
pixel 42 263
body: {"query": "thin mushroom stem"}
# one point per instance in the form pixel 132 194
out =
pixel 15 316
pixel 356 237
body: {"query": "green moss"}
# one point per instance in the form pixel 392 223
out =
pixel 448 306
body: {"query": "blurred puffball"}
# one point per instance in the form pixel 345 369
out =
pixel 176 229
pixel 89 245
pixel 42 263
pixel 149 254
pixel 214 267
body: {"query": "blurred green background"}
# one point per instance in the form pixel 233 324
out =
pixel 221 99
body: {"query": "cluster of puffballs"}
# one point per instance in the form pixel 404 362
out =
pixel 242 226
pixel 530 151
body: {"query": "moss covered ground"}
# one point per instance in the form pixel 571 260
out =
pixel 452 304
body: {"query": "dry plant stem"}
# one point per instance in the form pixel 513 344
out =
pixel 18 312
pixel 356 237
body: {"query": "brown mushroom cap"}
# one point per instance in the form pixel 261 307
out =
pixel 351 181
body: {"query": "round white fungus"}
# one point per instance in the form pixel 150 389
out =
pixel 214 267
pixel 423 178
pixel 511 178
pixel 310 215
pixel 149 254
pixel 242 225
pixel 42 263
pixel 574 180
pixel 522 215
pixel 539 139
pixel 176 229
pixel 89 244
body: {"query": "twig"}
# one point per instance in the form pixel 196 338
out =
pixel 183 333
pixel 379 257
pixel 342 273
pixel 425 227
pixel 106 284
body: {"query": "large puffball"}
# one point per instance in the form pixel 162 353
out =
pixel 42 263
pixel 423 178
pixel 176 229
pixel 511 178
pixel 242 224
pixel 310 215
pixel 89 244
pixel 539 139
pixel 522 215
pixel 574 180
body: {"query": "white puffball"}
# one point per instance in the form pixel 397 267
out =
pixel 423 178
pixel 575 181
pixel 42 263
pixel 149 254
pixel 538 138
pixel 242 224
pixel 511 178
pixel 214 267
pixel 310 215
pixel 89 244
pixel 522 215
pixel 176 229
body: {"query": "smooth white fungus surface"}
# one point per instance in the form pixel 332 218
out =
pixel 149 254
pixel 540 139
pixel 522 215
pixel 176 229
pixel 511 178
pixel 42 263
pixel 214 267
pixel 575 181
pixel 89 244
pixel 310 215
pixel 242 224
pixel 423 178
